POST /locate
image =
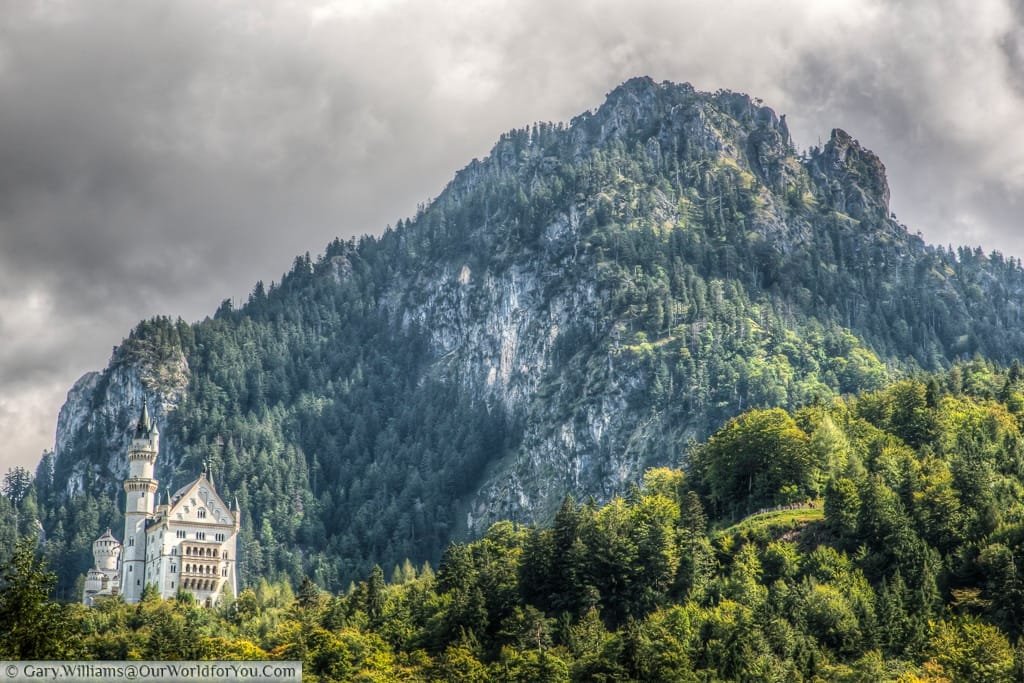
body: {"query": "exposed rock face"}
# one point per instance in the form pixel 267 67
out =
pixel 854 176
pixel 497 330
pixel 102 406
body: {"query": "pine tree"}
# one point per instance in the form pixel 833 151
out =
pixel 34 627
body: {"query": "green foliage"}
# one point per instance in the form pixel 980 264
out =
pixel 752 461
pixel 971 651
pixel 34 627
pixel 882 581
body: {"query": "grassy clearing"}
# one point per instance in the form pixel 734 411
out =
pixel 773 524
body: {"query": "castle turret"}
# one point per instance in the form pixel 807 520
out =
pixel 106 550
pixel 102 579
pixel 140 494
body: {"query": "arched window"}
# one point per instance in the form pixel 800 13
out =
pixel 202 513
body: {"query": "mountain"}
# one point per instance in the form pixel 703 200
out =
pixel 580 305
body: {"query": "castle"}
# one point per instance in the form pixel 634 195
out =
pixel 187 543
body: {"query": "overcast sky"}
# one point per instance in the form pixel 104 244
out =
pixel 157 157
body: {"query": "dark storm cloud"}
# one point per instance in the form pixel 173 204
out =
pixel 158 157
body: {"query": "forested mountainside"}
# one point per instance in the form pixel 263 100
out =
pixel 891 549
pixel 580 305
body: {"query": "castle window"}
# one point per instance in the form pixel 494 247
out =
pixel 202 513
pixel 220 538
pixel 131 541
pixel 224 572
pixel 225 554
pixel 181 533
pixel 200 535
pixel 174 568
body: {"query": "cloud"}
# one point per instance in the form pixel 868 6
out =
pixel 159 157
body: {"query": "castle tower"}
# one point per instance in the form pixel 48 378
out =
pixel 105 552
pixel 102 579
pixel 140 502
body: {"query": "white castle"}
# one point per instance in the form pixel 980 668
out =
pixel 187 543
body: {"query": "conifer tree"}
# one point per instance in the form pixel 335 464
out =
pixel 34 627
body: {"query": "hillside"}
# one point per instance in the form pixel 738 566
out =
pixel 582 304
pixel 897 557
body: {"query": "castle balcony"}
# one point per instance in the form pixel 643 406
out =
pixel 209 583
pixel 136 484
pixel 142 454
pixel 198 549
pixel 201 571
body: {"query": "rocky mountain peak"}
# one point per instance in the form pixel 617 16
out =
pixel 854 176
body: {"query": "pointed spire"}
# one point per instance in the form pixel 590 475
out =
pixel 144 427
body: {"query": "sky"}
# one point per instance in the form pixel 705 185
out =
pixel 158 157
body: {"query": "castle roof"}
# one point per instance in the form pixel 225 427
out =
pixel 107 536
pixel 144 428
pixel 203 488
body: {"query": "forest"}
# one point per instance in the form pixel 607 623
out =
pixel 873 537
